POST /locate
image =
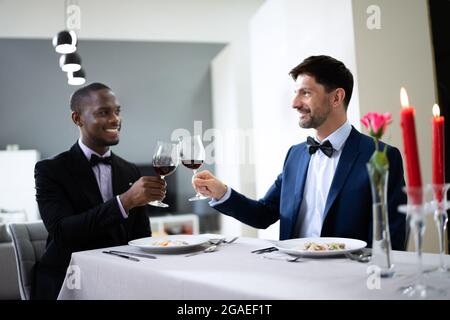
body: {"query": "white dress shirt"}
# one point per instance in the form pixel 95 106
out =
pixel 320 174
pixel 103 175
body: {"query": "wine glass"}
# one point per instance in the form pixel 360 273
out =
pixel 165 161
pixel 192 154
pixel 416 210
pixel 440 205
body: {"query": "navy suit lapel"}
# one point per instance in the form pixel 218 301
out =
pixel 303 164
pixel 83 175
pixel 346 161
pixel 302 171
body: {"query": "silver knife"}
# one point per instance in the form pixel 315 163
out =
pixel 264 250
pixel 121 255
pixel 142 255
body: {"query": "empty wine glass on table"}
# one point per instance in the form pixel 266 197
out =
pixel 416 210
pixel 440 205
pixel 192 154
pixel 165 161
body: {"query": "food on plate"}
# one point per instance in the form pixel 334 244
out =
pixel 169 243
pixel 313 246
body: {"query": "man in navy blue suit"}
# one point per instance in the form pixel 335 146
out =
pixel 324 188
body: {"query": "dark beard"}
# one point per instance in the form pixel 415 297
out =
pixel 313 123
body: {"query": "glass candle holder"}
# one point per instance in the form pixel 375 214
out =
pixel 416 210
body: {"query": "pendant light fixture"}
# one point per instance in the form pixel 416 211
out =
pixel 76 78
pixel 70 62
pixel 65 42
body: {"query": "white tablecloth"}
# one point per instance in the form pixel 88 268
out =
pixel 233 272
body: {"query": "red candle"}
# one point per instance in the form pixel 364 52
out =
pixel 437 148
pixel 410 145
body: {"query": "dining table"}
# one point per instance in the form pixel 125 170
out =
pixel 233 271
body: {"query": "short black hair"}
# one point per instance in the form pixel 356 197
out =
pixel 327 71
pixel 78 98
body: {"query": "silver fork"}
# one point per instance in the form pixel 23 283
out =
pixel 294 259
pixel 209 249
pixel 222 240
pixel 231 241
pixel 362 256
pixel 217 241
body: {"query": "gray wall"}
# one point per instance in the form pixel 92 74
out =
pixel 160 86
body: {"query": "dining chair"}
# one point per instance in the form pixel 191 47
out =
pixel 29 241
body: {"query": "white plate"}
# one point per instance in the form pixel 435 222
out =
pixel 151 244
pixel 295 246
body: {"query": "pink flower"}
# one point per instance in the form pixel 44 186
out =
pixel 376 123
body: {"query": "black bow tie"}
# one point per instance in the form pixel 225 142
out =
pixel 95 160
pixel 326 147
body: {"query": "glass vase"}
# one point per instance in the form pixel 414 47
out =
pixel 381 239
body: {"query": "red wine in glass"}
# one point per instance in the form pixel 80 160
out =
pixel 192 164
pixel 192 154
pixel 164 170
pixel 165 160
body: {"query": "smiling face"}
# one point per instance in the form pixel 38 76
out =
pixel 311 101
pixel 99 120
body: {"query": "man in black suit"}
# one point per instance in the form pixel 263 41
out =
pixel 88 197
